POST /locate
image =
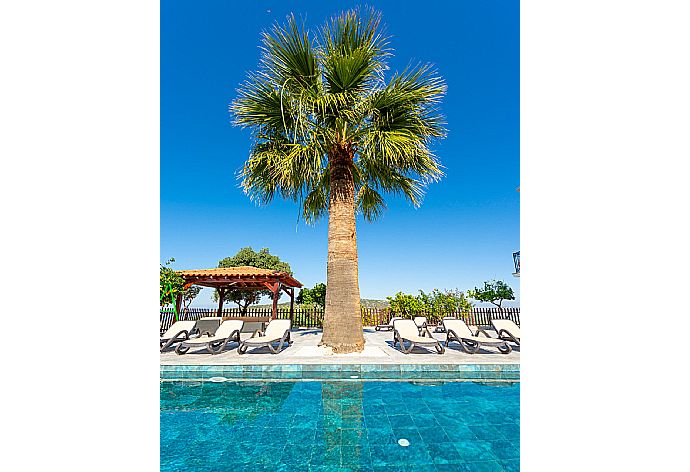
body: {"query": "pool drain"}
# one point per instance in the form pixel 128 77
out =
pixel 403 442
pixel 217 379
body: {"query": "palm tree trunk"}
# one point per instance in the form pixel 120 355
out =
pixel 342 321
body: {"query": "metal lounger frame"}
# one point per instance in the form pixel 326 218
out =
pixel 214 347
pixel 505 335
pixel 387 326
pixel 399 339
pixel 424 327
pixel 179 337
pixel 472 346
pixel 285 339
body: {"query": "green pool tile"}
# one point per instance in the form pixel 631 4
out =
pixel 252 375
pixel 291 375
pixel 401 420
pixel 510 375
pixel 475 450
pixel 504 449
pixel 444 453
pixel 342 413
pixel 353 436
pixel 512 465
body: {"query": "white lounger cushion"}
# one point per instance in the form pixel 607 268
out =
pixel 464 332
pixel 224 330
pixel 407 329
pixel 419 321
pixel 507 325
pixel 274 331
pixel 459 327
pixel 177 327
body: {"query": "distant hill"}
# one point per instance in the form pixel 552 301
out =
pixel 369 303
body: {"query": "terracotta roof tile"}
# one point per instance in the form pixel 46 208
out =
pixel 244 271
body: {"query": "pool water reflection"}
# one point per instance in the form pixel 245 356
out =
pixel 340 426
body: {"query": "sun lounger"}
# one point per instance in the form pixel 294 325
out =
pixel 507 330
pixel 208 324
pixel 227 332
pixel 440 328
pixel 420 321
pixel 179 331
pixel 458 331
pixel 406 330
pixel 276 331
pixel 388 326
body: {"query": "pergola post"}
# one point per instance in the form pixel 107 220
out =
pixel 221 295
pixel 276 295
pixel 292 304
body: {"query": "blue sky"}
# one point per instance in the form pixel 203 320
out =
pixel 468 225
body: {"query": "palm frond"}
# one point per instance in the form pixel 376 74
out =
pixel 316 202
pixel 277 165
pixel 314 96
pixel 353 51
pixel 369 203
pixel 289 57
pixel 259 104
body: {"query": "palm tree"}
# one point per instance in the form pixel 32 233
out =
pixel 331 134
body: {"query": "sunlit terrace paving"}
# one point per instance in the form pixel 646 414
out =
pixel 378 349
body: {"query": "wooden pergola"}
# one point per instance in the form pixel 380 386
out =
pixel 242 278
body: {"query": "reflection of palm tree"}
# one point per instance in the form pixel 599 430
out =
pixel 343 425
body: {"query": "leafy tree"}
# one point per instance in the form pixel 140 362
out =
pixel 494 292
pixel 189 295
pixel 405 304
pixel 331 133
pixel 447 301
pixel 171 284
pixel 315 296
pixel 261 260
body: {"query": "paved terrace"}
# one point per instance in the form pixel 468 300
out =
pixel 378 349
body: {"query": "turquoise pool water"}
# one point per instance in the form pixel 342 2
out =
pixel 340 426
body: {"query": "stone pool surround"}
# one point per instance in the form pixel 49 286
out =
pixel 506 372
pixel 305 360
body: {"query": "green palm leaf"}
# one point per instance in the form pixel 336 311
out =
pixel 317 96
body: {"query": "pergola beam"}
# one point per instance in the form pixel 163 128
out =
pixel 243 278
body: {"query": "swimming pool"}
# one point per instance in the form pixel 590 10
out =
pixel 326 425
